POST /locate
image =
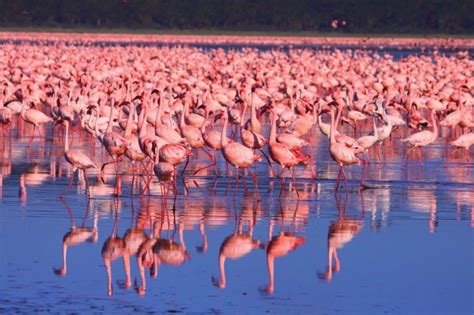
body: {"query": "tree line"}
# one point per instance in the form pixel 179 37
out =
pixel 354 16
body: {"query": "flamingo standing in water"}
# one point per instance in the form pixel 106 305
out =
pixel 77 159
pixel 236 153
pixel 423 138
pixel 283 154
pixel 115 144
pixel 341 153
pixel 34 117
pixel 464 141
pixel 212 138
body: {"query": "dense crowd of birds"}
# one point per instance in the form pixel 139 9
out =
pixel 157 105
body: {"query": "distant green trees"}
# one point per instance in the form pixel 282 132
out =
pixel 361 16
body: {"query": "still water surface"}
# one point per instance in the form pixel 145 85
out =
pixel 404 246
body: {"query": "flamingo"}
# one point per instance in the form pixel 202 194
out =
pixel 234 246
pixel 280 245
pixel 368 141
pixel 284 155
pixel 34 117
pixel 464 141
pixel 164 131
pixel 212 139
pixel 115 144
pixel 192 135
pixel 77 159
pixel 77 235
pixel 423 138
pixel 236 153
pixel 114 247
pixel 340 153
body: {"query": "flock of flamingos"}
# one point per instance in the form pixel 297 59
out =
pixel 154 108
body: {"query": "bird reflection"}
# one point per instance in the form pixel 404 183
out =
pixel 156 250
pixel 77 235
pixel 340 233
pixel 278 246
pixel 237 245
pixel 114 248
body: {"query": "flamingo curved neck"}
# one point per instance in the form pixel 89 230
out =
pixel 109 125
pixel 224 141
pixel 253 112
pixel 376 132
pixel 128 127
pixel 222 269
pixel 272 139
pixel 142 122
pixel 66 138
pixel 332 138
pixel 435 125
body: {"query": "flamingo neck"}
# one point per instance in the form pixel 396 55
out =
pixel 253 112
pixel 184 114
pixel 271 271
pixel 435 125
pixel 376 132
pixel 109 125
pixel 128 126
pixel 142 122
pixel 204 124
pixel 159 111
pixel 272 139
pixel 224 141
pixel 66 138
pixel 242 118
pixel 332 130
pixel 222 269
pixel 64 258
pixel 96 126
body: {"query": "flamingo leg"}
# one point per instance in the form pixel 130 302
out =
pixel 118 182
pixel 345 180
pixel 87 182
pixel 362 186
pixel 236 180
pixel 272 171
pixel 213 163
pixel 34 132
pixel 133 178
pixel 69 184
pixel 255 183
pixel 102 169
pixel 294 182
pixel 338 177
pixel 185 165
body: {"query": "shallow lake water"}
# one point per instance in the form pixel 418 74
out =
pixel 403 245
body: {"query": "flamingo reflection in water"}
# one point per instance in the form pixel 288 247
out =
pixel 114 248
pixel 278 246
pixel 340 233
pixel 77 235
pixel 156 250
pixel 236 246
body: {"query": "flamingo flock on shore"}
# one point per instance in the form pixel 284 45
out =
pixel 159 106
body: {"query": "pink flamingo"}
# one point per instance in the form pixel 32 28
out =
pixel 77 159
pixel 341 153
pixel 236 153
pixel 284 155
pixel 423 138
